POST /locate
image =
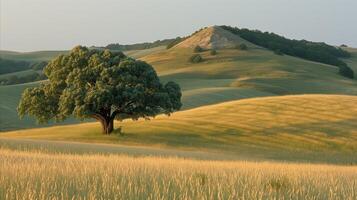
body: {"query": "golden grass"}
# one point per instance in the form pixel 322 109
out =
pixel 286 127
pixel 36 175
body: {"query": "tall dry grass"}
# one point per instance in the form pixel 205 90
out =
pixel 36 175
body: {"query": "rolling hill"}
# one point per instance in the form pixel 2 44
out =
pixel 303 127
pixel 30 56
pixel 232 74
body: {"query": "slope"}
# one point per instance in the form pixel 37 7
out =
pixel 230 75
pixel 304 127
pixel 213 37
pixel 252 73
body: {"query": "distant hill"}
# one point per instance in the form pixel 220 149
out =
pixel 30 56
pixel 137 46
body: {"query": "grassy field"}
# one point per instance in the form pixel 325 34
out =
pixel 254 125
pixel 230 75
pixel 314 128
pixel 10 96
pixel 36 175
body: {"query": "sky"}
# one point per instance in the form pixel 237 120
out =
pixel 32 25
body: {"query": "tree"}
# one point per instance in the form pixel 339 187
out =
pixel 9 66
pixel 197 49
pixel 346 71
pixel 196 58
pixel 278 52
pixel 102 85
pixel 174 42
pixel 213 52
pixel 242 47
pixel 39 65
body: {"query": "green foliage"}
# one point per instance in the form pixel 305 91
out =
pixel 39 65
pixel 278 52
pixel 99 84
pixel 9 66
pixel 346 71
pixel 197 49
pixel 243 47
pixel 140 46
pixel 174 42
pixel 314 51
pixel 196 58
pixel 23 79
pixel 213 52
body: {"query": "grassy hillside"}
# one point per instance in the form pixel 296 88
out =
pixel 306 127
pixel 230 75
pixel 19 74
pixel 10 96
pixel 258 70
pixel 30 56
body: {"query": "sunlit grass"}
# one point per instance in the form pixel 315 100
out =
pixel 36 175
pixel 288 127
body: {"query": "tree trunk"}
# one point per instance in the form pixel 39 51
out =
pixel 104 126
pixel 107 124
pixel 110 126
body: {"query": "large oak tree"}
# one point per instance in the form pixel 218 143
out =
pixel 103 85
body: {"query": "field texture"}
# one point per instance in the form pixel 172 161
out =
pixel 316 128
pixel 35 175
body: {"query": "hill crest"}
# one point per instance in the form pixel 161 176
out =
pixel 213 37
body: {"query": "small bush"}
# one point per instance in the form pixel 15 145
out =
pixel 174 42
pixel 197 49
pixel 196 58
pixel 346 72
pixel 242 46
pixel 213 52
pixel 278 52
pixel 39 65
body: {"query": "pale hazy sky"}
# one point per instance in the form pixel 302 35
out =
pixel 28 25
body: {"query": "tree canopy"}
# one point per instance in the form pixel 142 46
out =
pixel 9 66
pixel 314 51
pixel 103 85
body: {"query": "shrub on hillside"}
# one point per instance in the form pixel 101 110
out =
pixel 278 52
pixel 213 52
pixel 346 71
pixel 242 47
pixel 196 58
pixel 174 42
pixel 197 49
pixel 39 65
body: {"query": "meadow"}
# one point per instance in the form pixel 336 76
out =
pixel 254 125
pixel 38 175
pixel 313 128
